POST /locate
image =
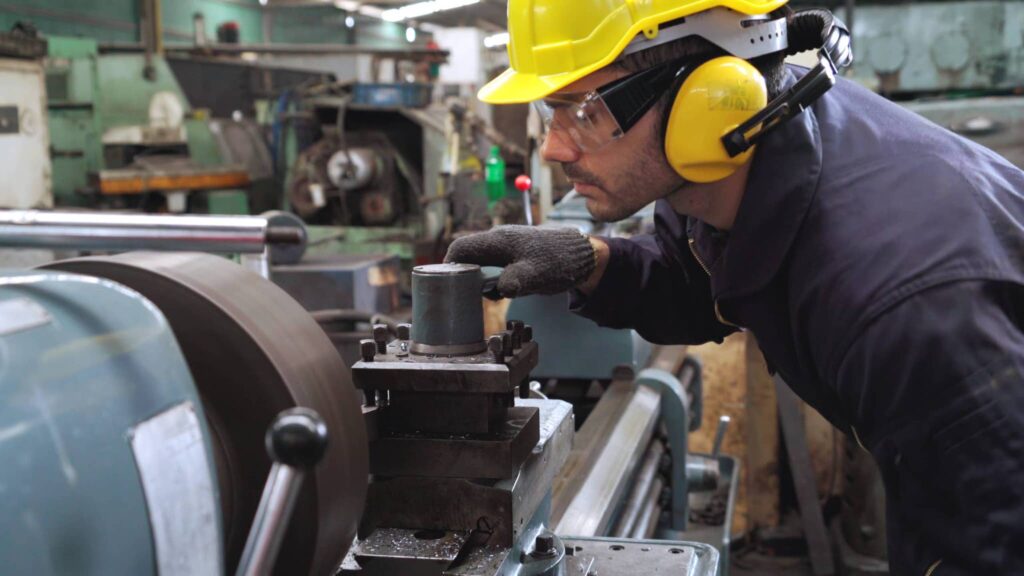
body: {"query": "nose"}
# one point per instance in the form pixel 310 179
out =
pixel 559 147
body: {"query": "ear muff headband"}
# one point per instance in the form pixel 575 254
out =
pixel 721 106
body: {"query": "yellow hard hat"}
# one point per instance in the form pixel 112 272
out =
pixel 553 43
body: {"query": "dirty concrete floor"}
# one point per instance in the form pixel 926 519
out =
pixel 757 564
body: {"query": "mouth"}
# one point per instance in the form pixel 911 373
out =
pixel 584 189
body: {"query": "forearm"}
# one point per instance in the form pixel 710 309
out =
pixel 601 255
pixel 639 287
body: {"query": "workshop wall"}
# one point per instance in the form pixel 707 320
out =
pixel 117 21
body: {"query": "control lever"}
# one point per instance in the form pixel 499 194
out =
pixel 523 184
pixel 296 442
pixel 723 424
pixel 703 472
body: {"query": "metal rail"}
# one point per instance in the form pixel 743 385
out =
pixel 637 494
pixel 103 231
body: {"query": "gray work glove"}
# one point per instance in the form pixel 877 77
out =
pixel 536 260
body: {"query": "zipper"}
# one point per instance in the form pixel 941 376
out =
pixel 931 569
pixel 693 250
pixel 718 313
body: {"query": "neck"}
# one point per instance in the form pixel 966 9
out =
pixel 715 203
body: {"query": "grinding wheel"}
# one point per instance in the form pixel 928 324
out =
pixel 253 351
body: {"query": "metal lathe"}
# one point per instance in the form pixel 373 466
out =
pixel 178 413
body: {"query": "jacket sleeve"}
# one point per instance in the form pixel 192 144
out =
pixel 654 285
pixel 935 385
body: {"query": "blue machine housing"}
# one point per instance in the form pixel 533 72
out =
pixel 85 364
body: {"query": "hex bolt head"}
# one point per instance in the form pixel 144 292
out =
pixel 506 343
pixel 495 347
pixel 516 327
pixel 380 336
pixel 367 349
pixel 404 331
pixel 527 333
pixel 544 545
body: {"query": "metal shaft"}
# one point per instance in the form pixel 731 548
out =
pixel 647 523
pixel 101 231
pixel 271 520
pixel 641 486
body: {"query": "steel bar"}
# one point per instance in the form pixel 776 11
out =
pixel 641 486
pixel 102 231
pixel 276 48
pixel 647 523
pixel 606 477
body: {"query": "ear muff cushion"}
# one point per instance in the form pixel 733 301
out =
pixel 714 98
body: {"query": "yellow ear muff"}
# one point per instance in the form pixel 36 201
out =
pixel 715 98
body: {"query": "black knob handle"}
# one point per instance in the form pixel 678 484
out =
pixel 297 438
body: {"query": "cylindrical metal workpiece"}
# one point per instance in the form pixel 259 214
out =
pixel 447 313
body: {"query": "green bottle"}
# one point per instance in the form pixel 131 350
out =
pixel 494 175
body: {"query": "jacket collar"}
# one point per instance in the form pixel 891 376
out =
pixel 781 186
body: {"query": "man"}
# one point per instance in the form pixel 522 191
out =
pixel 878 258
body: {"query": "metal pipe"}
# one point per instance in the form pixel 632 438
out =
pixel 101 231
pixel 647 523
pixel 299 49
pixel 642 484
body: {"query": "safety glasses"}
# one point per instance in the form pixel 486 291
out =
pixel 598 117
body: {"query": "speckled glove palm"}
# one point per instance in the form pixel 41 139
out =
pixel 536 260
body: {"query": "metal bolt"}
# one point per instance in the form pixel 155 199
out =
pixel 380 336
pixel 404 331
pixel 494 346
pixel 367 348
pixel 544 546
pixel 544 543
pixel 506 343
pixel 516 327
pixel 527 333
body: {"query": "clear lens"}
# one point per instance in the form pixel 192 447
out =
pixel 587 120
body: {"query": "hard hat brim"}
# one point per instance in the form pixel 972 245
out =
pixel 512 87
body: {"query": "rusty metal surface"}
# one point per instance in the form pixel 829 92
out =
pixel 400 370
pixel 474 456
pixel 253 351
pixel 390 551
pixel 500 509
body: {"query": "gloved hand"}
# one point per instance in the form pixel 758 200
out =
pixel 536 260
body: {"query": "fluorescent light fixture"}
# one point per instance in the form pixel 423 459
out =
pixel 358 8
pixel 263 2
pixel 410 34
pixel 495 40
pixel 350 22
pixel 420 9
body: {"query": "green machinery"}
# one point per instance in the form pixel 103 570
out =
pixel 123 134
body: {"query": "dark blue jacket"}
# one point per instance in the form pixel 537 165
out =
pixel 879 261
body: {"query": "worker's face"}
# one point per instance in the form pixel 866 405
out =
pixel 623 176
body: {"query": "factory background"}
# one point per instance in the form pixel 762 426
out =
pixel 331 148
